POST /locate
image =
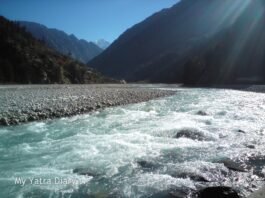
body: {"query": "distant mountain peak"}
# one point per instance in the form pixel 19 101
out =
pixel 73 36
pixel 102 43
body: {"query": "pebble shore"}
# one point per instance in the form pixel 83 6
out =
pixel 25 103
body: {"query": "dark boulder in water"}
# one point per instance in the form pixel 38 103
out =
pixel 240 131
pixel 84 171
pixel 202 113
pixel 218 192
pixel 191 134
pixel 147 164
pixel 250 146
pixel 4 122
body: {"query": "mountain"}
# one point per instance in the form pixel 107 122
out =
pixel 194 35
pixel 80 50
pixel 103 44
pixel 235 55
pixel 23 59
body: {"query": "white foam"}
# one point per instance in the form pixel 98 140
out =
pixel 113 139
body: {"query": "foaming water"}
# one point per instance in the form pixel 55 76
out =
pixel 134 150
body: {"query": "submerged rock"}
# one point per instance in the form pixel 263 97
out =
pixel 84 171
pixel 4 122
pixel 240 131
pixel 250 146
pixel 202 113
pixel 218 192
pixel 191 134
pixel 147 164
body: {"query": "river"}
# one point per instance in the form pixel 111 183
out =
pixel 134 150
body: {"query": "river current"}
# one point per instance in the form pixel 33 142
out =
pixel 134 150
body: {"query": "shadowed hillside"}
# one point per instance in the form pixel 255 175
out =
pixel 23 59
pixel 66 44
pixel 189 43
pixel 236 55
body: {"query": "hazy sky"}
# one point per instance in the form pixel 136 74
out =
pixel 87 19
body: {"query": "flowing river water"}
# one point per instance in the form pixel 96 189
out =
pixel 134 150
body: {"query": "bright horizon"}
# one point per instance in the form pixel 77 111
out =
pixel 90 20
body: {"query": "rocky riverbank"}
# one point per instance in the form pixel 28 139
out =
pixel 26 103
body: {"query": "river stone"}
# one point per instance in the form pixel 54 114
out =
pixel 191 134
pixel 15 121
pixel 31 118
pixel 84 171
pixel 250 146
pixel 240 131
pixel 202 113
pixel 4 121
pixel 98 106
pixel 218 192
pixel 147 164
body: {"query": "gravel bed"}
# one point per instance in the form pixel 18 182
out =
pixel 24 103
